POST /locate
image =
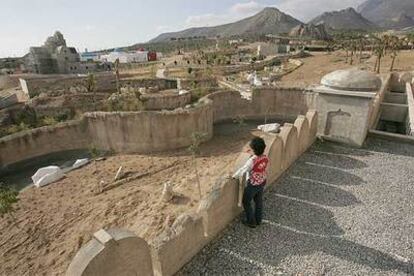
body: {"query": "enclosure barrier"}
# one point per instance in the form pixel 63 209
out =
pixel 118 252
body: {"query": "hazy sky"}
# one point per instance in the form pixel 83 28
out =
pixel 99 24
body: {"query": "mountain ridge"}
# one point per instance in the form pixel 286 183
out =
pixel 268 21
pixel 346 19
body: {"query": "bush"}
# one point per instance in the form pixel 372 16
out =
pixel 49 121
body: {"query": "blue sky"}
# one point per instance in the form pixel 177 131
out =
pixel 99 24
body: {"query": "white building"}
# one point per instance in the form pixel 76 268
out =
pixel 125 57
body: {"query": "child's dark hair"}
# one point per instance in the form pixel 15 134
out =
pixel 258 145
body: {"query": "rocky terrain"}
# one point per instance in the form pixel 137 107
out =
pixel 311 31
pixel 347 19
pixel 395 14
pixel 268 21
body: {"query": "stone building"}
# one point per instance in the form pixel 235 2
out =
pixel 55 57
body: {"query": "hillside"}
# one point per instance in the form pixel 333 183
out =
pixel 268 21
pixel 347 19
pixel 395 14
pixel 310 31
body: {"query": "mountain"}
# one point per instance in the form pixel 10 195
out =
pixel 311 31
pixel 347 19
pixel 392 14
pixel 268 21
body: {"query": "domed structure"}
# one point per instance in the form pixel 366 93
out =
pixel 352 80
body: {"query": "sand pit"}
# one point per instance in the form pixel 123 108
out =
pixel 58 219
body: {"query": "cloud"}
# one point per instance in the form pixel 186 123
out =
pixel 206 20
pixel 90 28
pixel 234 13
pixel 246 8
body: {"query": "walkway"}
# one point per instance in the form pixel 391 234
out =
pixel 337 211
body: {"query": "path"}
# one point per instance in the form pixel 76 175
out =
pixel 337 211
pixel 244 90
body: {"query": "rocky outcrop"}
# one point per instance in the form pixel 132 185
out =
pixel 310 31
pixel 347 19
pixel 395 14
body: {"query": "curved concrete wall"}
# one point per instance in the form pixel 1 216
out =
pixel 280 103
pixel 168 102
pixel 191 231
pixel 113 252
pixel 41 141
pixel 123 132
pixel 144 132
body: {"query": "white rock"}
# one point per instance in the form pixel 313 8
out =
pixel 47 175
pixel 273 128
pixel 80 163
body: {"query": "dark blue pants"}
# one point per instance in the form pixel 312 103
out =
pixel 254 193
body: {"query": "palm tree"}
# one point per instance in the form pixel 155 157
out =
pixel 395 45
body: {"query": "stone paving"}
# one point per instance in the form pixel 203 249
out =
pixel 337 211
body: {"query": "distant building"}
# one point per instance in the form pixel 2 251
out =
pixel 272 49
pixel 55 57
pixel 89 57
pixel 130 57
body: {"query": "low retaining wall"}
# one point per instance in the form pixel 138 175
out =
pixel 41 141
pixel 122 132
pixel 281 103
pixel 165 101
pixel 410 102
pixel 105 82
pixel 191 231
pixel 160 84
pixel 145 132
pixel 376 103
pixel 60 84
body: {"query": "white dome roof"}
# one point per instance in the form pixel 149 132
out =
pixel 352 80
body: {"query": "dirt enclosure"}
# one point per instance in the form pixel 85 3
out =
pixel 56 220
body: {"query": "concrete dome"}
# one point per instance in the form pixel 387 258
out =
pixel 352 80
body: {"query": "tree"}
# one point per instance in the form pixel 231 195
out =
pixel 395 46
pixel 91 87
pixel 116 67
pixel 379 50
pixel 194 148
pixel 8 198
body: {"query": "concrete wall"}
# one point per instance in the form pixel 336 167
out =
pixel 159 84
pixel 165 101
pixel 124 132
pixel 410 102
pixel 41 141
pixel 113 252
pixel 189 84
pixel 280 103
pixel 179 244
pixel 145 132
pixel 105 82
pixel 191 231
pixel 61 84
pixel 376 103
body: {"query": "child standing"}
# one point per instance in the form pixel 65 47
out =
pixel 255 168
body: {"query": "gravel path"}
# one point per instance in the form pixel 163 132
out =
pixel 337 211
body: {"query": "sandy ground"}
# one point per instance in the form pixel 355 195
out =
pixel 58 219
pixel 320 64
